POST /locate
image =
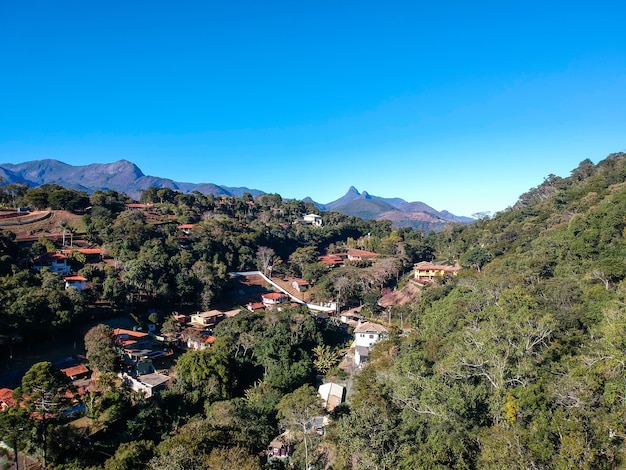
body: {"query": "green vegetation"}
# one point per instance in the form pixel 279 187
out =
pixel 518 362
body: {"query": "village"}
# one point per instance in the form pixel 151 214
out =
pixel 147 351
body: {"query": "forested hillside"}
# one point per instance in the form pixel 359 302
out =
pixel 520 362
pixel 517 362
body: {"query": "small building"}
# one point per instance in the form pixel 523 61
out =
pixel 313 219
pixel 362 255
pixel 6 398
pixel 274 298
pixel 280 448
pixel 186 228
pixel 300 285
pixel 77 372
pixel 332 395
pixel 139 207
pixel 125 338
pixel 78 282
pixel 333 260
pixel 148 384
pixel 210 318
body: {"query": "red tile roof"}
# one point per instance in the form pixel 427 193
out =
pixel 75 371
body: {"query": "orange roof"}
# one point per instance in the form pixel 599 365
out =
pixel 75 278
pixel 84 251
pixel 50 256
pixel 362 253
pixel 274 296
pixel 132 333
pixel 185 226
pixel 76 370
pixel 6 397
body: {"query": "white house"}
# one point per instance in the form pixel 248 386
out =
pixel 365 336
pixel 332 394
pixel 148 384
pixel 210 318
pixel 313 219
pixel 274 298
pixel 55 262
pixel 79 282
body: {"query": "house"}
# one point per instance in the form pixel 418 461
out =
pixel 362 255
pixel 210 318
pixel 274 298
pixel 332 395
pixel 365 336
pixel 254 306
pixel 369 333
pixel 197 339
pixel 280 448
pixel 351 319
pixel 148 384
pixel 6 398
pixel 77 372
pixel 299 284
pixel 139 207
pixel 55 262
pixel 312 219
pixel 79 282
pixel 125 338
pixel 186 228
pixel 92 255
pixel 432 271
pixel 334 259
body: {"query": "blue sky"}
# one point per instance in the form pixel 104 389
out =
pixel 461 105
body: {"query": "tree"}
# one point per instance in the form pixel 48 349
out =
pixel 326 358
pixel 45 390
pixel 234 457
pixel 130 456
pixel 14 426
pixel 100 348
pixel 296 411
pixel 265 256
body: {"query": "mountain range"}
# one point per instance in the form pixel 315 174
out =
pixel 125 177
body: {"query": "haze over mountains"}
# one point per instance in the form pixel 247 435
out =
pixel 125 177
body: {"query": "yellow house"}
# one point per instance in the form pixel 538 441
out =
pixel 426 270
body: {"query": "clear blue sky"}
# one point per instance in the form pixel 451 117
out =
pixel 461 105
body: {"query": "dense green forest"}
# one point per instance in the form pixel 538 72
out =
pixel 518 362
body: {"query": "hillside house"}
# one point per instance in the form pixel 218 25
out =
pixel 147 384
pixel 274 298
pixel 280 448
pixel 313 219
pixel 433 271
pixel 76 372
pixel 139 207
pixel 6 398
pixel 55 262
pixel 333 260
pixel 92 255
pixel 362 255
pixel 365 336
pixel 300 285
pixel 210 318
pixel 186 228
pixel 78 282
pixel 332 395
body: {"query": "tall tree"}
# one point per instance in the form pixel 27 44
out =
pixel 296 411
